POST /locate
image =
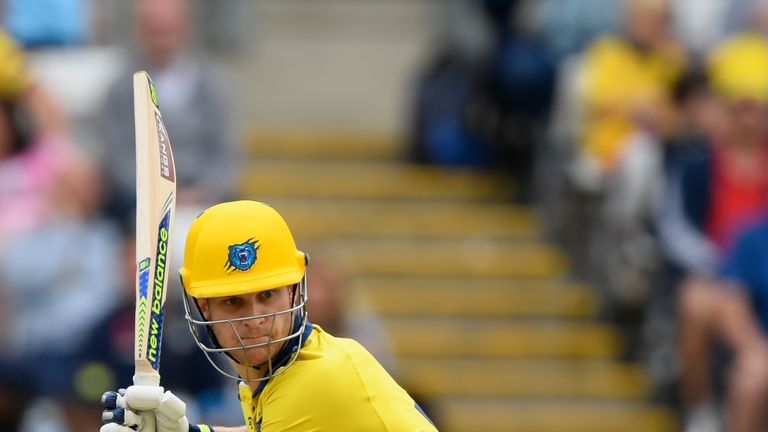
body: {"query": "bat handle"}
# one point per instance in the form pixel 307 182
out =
pixel 151 379
pixel 148 421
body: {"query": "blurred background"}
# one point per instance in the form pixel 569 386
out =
pixel 539 215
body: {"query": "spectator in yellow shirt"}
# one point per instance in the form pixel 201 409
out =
pixel 628 83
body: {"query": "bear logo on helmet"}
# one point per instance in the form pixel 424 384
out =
pixel 242 256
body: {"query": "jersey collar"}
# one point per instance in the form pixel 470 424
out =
pixel 287 351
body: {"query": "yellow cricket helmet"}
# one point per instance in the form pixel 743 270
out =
pixel 240 247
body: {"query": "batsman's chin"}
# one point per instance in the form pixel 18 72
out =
pixel 253 356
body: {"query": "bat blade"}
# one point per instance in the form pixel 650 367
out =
pixel 155 211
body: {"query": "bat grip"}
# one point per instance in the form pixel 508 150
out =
pixel 148 421
pixel 151 379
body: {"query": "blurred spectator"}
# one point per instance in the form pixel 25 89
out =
pixel 195 111
pixel 629 80
pixel 31 167
pixel 713 195
pixel 714 198
pixel 58 272
pixel 48 23
pixel 521 90
pixel 454 78
pixel 25 175
pixel 482 100
pixel 34 149
pixel 625 83
pixel 441 135
pixel 702 122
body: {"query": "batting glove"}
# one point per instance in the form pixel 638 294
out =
pixel 129 409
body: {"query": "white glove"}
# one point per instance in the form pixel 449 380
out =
pixel 140 406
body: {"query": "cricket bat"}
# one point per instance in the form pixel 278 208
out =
pixel 155 211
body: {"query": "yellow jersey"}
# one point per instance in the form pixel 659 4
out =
pixel 333 385
pixel 619 77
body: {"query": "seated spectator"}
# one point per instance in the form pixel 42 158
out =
pixel 60 271
pixel 483 103
pixel 713 195
pixel 450 82
pixel 629 80
pixel 34 147
pixel 702 120
pixel 626 85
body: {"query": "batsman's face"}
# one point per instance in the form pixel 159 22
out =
pixel 266 325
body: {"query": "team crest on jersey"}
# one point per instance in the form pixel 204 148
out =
pixel 242 256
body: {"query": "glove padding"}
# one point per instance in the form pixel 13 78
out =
pixel 125 410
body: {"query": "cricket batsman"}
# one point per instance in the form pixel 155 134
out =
pixel 245 300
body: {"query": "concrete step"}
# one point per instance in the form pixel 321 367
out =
pixel 434 377
pixel 265 179
pixel 323 144
pixel 580 415
pixel 476 297
pixel 478 257
pixel 310 218
pixel 498 338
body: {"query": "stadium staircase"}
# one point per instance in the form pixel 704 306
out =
pixel 485 324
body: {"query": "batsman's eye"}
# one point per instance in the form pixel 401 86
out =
pixel 232 301
pixel 267 294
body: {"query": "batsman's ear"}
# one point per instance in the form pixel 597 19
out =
pixel 202 306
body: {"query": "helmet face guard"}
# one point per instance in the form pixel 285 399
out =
pixel 288 346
